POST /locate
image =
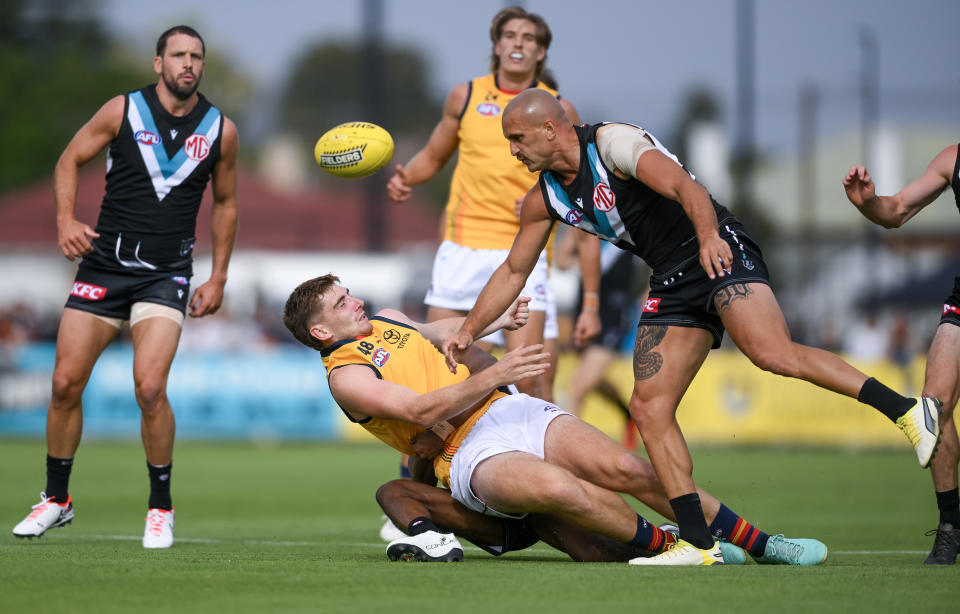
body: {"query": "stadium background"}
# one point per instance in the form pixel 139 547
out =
pixel 767 120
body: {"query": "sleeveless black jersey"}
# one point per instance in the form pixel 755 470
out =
pixel 625 212
pixel 955 179
pixel 157 169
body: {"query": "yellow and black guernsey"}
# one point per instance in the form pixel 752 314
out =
pixel 398 353
pixel 480 212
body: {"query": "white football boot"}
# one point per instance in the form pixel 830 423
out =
pixel 47 514
pixel 921 425
pixel 683 553
pixel 389 531
pixel 427 546
pixel 158 532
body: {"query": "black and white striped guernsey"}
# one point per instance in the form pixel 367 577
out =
pixel 625 212
pixel 158 167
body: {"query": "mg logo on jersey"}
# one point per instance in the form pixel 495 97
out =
pixel 603 197
pixel 651 305
pixel 146 137
pixel 950 309
pixel 574 216
pixel 88 291
pixel 380 357
pixel 197 147
pixel 489 109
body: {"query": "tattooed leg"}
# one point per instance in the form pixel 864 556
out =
pixel 646 362
pixel 728 294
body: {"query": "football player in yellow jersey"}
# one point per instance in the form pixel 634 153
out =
pixel 503 454
pixel 480 219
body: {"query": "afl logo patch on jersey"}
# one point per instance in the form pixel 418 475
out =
pixel 146 137
pixel 489 109
pixel 380 357
pixel 574 216
pixel 603 197
pixel 197 147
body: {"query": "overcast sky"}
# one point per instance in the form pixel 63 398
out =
pixel 627 60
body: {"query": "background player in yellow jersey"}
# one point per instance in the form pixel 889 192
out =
pixel 480 216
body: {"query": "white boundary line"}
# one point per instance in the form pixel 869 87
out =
pixel 268 542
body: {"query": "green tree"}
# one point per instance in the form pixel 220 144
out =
pixel 326 87
pixel 57 72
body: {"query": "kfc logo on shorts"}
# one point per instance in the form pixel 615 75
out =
pixel 180 280
pixel 88 291
pixel 574 216
pixel 651 305
pixel 950 309
pixel 603 197
pixel 197 147
pixel 145 137
pixel 488 109
pixel 380 357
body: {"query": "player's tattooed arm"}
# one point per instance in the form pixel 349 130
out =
pixel 646 362
pixel 727 295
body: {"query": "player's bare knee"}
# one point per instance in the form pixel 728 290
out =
pixel 777 360
pixel 66 389
pixel 390 491
pixel 151 393
pixel 628 470
pixel 556 495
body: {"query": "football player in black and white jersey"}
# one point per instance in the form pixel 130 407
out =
pixel 617 182
pixel 942 378
pixel 165 143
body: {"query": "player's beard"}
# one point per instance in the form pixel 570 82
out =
pixel 181 92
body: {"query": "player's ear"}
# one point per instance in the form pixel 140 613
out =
pixel 320 332
pixel 158 65
pixel 550 129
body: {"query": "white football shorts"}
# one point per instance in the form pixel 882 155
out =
pixel 517 423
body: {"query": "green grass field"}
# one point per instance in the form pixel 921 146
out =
pixel 293 527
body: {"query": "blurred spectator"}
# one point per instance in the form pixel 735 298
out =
pixel 866 340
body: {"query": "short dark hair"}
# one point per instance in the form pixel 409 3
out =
pixel 302 308
pixel 162 41
pixel 544 36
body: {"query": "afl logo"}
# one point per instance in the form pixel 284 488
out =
pixel 380 357
pixel 197 147
pixel 574 216
pixel 145 137
pixel 489 109
pixel 603 198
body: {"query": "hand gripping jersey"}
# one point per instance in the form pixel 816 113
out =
pixel 625 212
pixel 481 212
pixel 157 169
pixel 398 353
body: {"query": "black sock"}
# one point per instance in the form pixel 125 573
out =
pixel 58 478
pixel 421 524
pixel 949 504
pixel 693 526
pixel 891 404
pixel 160 487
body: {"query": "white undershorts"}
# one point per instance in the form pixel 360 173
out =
pixel 460 273
pixel 517 423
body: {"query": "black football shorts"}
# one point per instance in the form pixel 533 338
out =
pixel 682 295
pixel 951 306
pixel 111 293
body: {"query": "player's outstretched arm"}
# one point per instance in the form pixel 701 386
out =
pixel 428 161
pixel 508 280
pixel 894 211
pixel 73 236
pixel 358 390
pixel 207 298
